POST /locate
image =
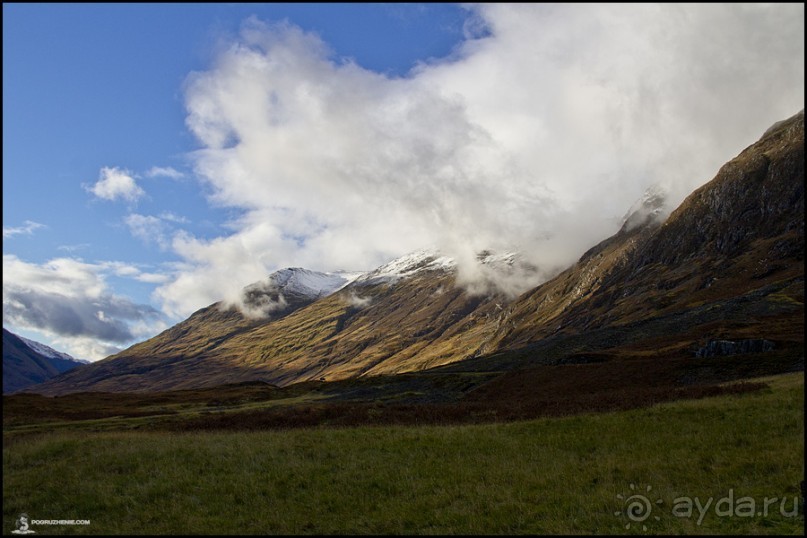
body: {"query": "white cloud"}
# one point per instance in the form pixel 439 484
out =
pixel 164 171
pixel 122 269
pixel 70 301
pixel 151 229
pixel 152 278
pixel 536 136
pixel 115 183
pixel 148 228
pixel 171 217
pixel 27 228
pixel 82 347
pixel 356 301
pixel 204 278
pixel 73 248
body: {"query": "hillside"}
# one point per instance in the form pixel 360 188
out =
pixel 727 263
pixel 726 266
pixel 27 363
pixel 406 315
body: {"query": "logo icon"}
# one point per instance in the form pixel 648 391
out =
pixel 637 507
pixel 22 525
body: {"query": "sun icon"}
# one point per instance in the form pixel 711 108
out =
pixel 637 507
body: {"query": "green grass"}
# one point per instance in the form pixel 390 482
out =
pixel 555 476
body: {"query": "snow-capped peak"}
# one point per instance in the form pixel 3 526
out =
pixel 304 282
pixel 278 288
pixel 49 352
pixel 430 259
pixel 651 207
pixel 408 265
pixel 290 287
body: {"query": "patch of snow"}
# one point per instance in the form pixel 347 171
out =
pixel 314 284
pixel 49 352
pixel 497 261
pixel 429 259
pixel 408 265
pixel 349 277
pixel 304 282
pixel 651 207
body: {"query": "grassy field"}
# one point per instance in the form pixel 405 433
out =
pixel 549 475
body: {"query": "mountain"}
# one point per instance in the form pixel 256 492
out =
pixel 731 255
pixel 725 266
pixel 26 362
pixel 288 289
pixel 405 315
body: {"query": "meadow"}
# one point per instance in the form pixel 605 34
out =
pixel 557 475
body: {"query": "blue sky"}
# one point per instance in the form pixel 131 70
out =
pixel 92 86
pixel 159 157
pixel 87 86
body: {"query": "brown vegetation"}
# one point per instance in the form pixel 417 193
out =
pixel 590 384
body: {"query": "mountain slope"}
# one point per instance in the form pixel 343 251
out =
pixel 280 294
pixel 26 362
pixel 738 238
pixel 727 263
pixel 406 315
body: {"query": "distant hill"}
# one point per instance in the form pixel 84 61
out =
pixel 27 362
pixel 725 271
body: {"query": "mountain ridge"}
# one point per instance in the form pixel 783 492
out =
pixel 733 248
pixel 27 362
pixel 722 229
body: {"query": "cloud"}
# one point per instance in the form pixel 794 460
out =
pixel 83 347
pixel 73 248
pixel 151 229
pixel 70 301
pixel 114 184
pixel 354 300
pixel 128 270
pixel 536 135
pixel 148 228
pixel 152 278
pixel 27 228
pixel 167 171
pixel 171 217
pixel 204 277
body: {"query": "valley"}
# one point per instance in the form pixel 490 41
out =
pixel 552 475
pixel 403 269
pixel 671 353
